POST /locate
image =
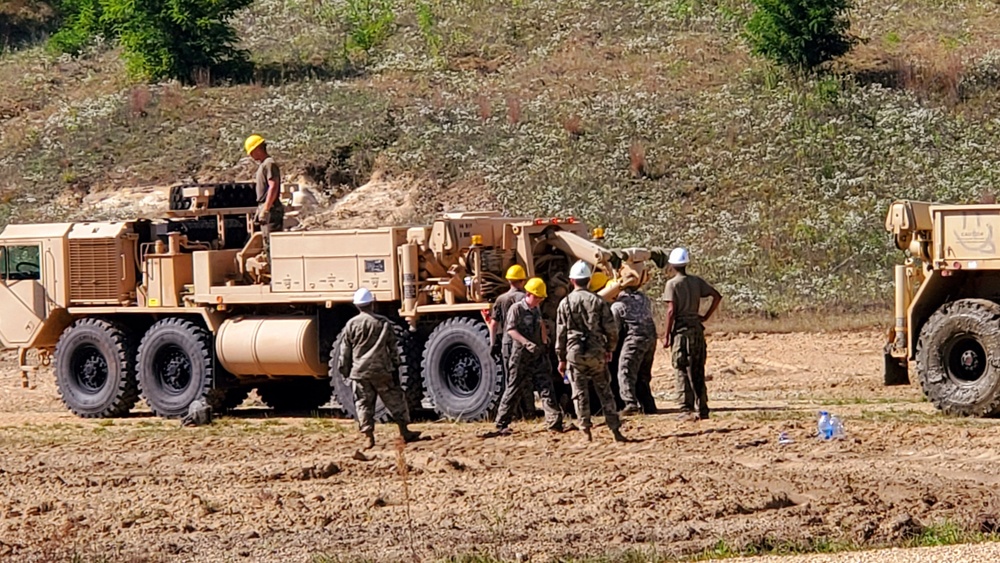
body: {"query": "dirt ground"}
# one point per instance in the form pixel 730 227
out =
pixel 254 487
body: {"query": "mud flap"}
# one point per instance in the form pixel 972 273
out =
pixel 896 370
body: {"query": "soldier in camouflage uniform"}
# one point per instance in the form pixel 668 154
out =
pixel 686 333
pixel 369 360
pixel 529 366
pixel 633 314
pixel 499 337
pixel 586 336
pixel 270 210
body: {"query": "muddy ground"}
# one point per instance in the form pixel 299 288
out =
pixel 254 487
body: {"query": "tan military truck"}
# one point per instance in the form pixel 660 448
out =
pixel 947 304
pixel 186 306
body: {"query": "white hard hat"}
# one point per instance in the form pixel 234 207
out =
pixel 580 271
pixel 363 297
pixel 679 257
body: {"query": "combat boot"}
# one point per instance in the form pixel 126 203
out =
pixel 619 437
pixel 407 434
pixel 586 432
pixel 630 410
pixel 369 439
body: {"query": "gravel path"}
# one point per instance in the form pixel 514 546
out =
pixel 968 553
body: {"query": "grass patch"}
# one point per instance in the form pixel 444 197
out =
pixel 949 532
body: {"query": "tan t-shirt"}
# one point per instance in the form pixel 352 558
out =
pixel 687 291
pixel 268 170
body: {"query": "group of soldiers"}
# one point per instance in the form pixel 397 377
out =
pixel 588 331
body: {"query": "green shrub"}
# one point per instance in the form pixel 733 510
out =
pixel 800 34
pixel 189 40
pixel 369 23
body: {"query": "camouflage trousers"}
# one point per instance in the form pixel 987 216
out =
pixel 368 391
pixel 527 372
pixel 689 354
pixel 635 366
pixel 525 408
pixel 581 375
pixel 271 222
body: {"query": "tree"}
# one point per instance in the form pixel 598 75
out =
pixel 183 39
pixel 800 34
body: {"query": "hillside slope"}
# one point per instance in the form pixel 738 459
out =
pixel 646 116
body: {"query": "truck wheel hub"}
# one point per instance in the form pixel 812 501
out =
pixel 175 369
pixel 966 360
pixel 92 369
pixel 463 370
pixel 970 360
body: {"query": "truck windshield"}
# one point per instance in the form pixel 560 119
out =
pixel 20 262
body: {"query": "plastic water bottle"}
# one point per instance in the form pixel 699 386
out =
pixel 824 427
pixel 837 426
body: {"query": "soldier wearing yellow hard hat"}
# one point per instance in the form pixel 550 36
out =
pixel 597 281
pixel 528 369
pixel 270 211
pixel 499 339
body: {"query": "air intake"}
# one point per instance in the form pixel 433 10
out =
pixel 95 267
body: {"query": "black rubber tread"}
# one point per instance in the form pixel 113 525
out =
pixel 975 318
pixel 295 394
pixel 120 392
pixel 474 335
pixel 196 343
pixel 408 347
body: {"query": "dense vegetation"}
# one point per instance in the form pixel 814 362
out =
pixel 650 117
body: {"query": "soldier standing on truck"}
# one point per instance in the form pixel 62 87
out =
pixel 369 359
pixel 634 315
pixel 529 369
pixel 270 210
pixel 586 336
pixel 499 337
pixel 685 335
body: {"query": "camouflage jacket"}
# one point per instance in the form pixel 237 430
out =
pixel 634 314
pixel 369 348
pixel 501 309
pixel 585 328
pixel 526 320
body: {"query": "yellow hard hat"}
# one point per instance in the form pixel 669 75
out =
pixel 536 287
pixel 516 273
pixel 598 281
pixel 252 142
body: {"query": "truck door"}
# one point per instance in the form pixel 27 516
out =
pixel 22 295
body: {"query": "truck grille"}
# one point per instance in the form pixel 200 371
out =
pixel 95 272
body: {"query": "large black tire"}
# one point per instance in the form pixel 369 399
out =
pixel 176 366
pixel 295 394
pixel 95 369
pixel 462 379
pixel 408 347
pixel 958 358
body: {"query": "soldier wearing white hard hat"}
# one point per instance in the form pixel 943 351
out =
pixel 586 337
pixel 368 360
pixel 685 334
